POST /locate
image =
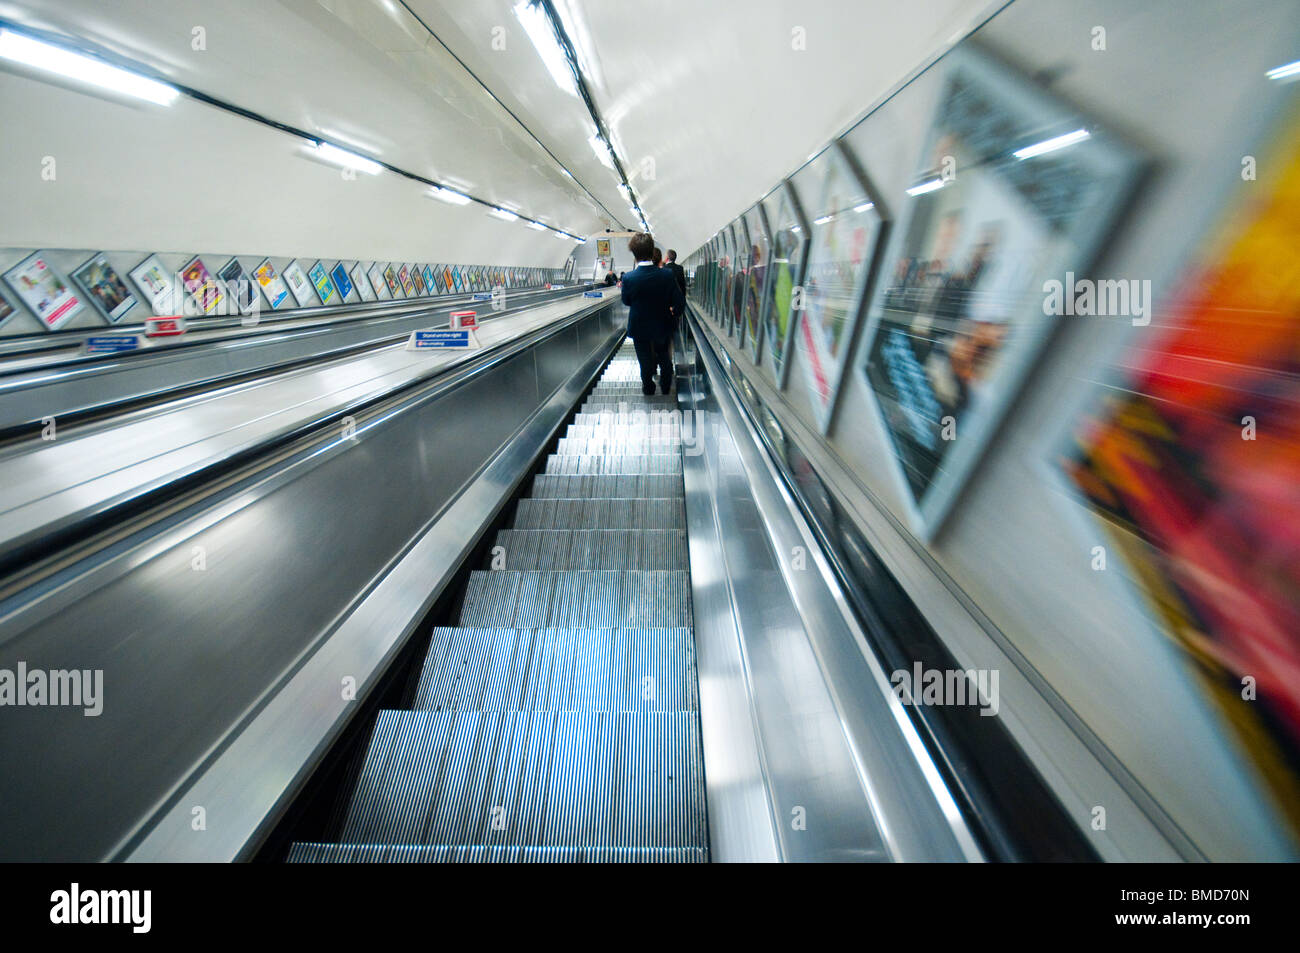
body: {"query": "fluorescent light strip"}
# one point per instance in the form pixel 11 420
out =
pixel 537 24
pixel 823 220
pixel 19 48
pixel 924 187
pixel 1051 145
pixel 601 148
pixel 1284 72
pixel 450 196
pixel 504 214
pixel 864 207
pixel 537 225
pixel 348 160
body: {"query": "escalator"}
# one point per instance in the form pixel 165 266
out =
pixel 560 719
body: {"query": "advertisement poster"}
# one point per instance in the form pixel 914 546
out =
pixel 105 288
pixel 789 247
pixel 342 281
pixel 1191 460
pixel 458 281
pixel 847 230
pixel 156 283
pixel 404 276
pixel 378 282
pixel 47 293
pixel 321 282
pixel 204 290
pixel 298 283
pixel 751 311
pixel 602 247
pixel 961 313
pixel 362 283
pixel 272 284
pixel 390 279
pixel 6 310
pixel 417 279
pixel 238 285
pixel 430 280
pixel 448 285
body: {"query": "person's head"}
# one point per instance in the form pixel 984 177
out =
pixel 657 257
pixel 642 246
pixel 671 255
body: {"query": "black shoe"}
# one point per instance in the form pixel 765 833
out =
pixel 648 390
pixel 665 390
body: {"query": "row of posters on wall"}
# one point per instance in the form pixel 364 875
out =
pixel 54 299
pixel 1190 456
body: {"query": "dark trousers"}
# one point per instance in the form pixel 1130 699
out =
pixel 654 354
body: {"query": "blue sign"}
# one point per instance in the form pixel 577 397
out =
pixel 112 344
pixel 341 280
pixel 424 339
pixel 483 296
pixel 593 294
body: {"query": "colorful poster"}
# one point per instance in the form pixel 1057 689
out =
pixel 377 282
pixel 105 288
pixel 320 280
pixel 390 279
pixel 458 279
pixel 786 257
pixel 1191 459
pixel 1006 200
pixel 47 293
pixel 430 280
pixel 6 310
pixel 342 281
pixel 272 284
pixel 417 279
pixel 204 290
pixel 359 280
pixel 238 285
pixel 298 283
pixel 404 276
pixel 157 285
pixel 602 247
pixel 448 286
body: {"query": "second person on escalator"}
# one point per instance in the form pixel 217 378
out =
pixel 655 305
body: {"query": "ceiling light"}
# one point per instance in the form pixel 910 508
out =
pixel 865 206
pixel 348 160
pixel 1284 72
pixel 537 24
pixel 449 196
pixel 504 214
pixel 1051 145
pixel 823 220
pixel 537 225
pixel 601 148
pixel 624 191
pixel 23 49
pixel 928 186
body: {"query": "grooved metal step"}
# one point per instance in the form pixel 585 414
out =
pixel 481 854
pixel 522 549
pixel 578 597
pixel 665 513
pixel 614 463
pixel 607 486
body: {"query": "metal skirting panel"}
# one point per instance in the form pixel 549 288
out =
pixel 560 720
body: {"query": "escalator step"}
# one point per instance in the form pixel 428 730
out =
pixel 485 854
pixel 634 669
pixel 590 548
pixel 638 514
pixel 614 463
pixel 586 598
pixel 573 779
pixel 617 444
pixel 607 486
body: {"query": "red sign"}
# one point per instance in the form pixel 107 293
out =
pixel 464 319
pixel 164 327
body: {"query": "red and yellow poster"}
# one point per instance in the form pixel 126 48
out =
pixel 1194 464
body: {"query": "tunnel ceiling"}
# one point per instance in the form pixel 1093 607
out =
pixel 706 107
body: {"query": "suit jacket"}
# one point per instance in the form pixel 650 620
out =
pixel 654 303
pixel 679 273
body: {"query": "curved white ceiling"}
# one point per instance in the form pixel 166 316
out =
pixel 708 104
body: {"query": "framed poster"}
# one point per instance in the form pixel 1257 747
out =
pixel 7 310
pixel 404 276
pixel 342 281
pixel 359 279
pixel 238 285
pixel 458 279
pixel 789 251
pixel 204 290
pixel 296 278
pixel 849 231
pixel 378 282
pixel 156 284
pixel 390 279
pixel 448 286
pixel 272 284
pixel 430 280
pixel 320 280
pixel 1188 456
pixel 417 280
pixel 46 292
pixel 755 291
pixel 104 288
pixel 1013 190
pixel 602 248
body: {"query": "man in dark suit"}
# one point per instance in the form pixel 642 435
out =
pixel 678 271
pixel 655 304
